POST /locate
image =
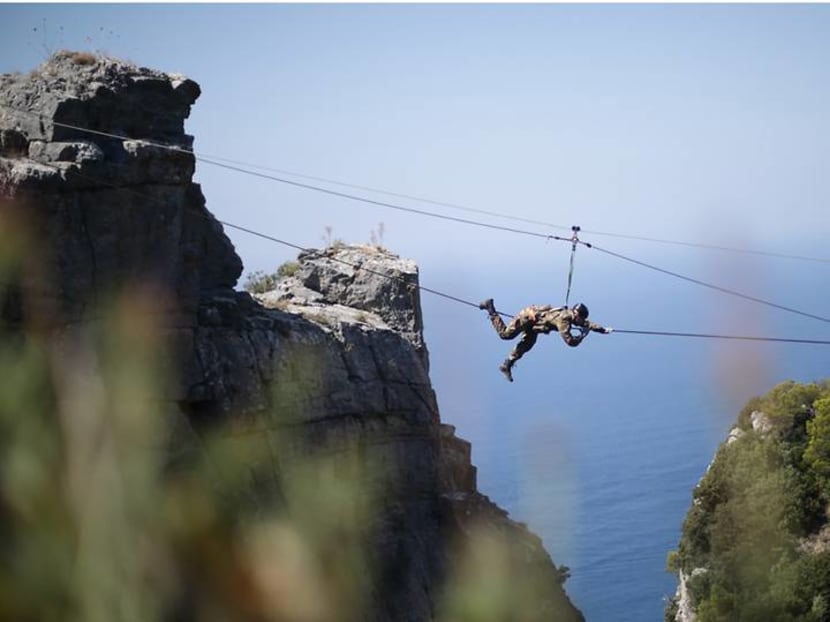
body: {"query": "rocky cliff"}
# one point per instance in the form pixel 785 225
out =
pixel 95 168
pixel 754 542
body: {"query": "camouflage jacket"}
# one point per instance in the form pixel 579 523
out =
pixel 545 319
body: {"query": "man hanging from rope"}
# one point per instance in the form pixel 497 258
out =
pixel 543 319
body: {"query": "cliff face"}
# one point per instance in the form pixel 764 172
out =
pixel 331 360
pixel 109 210
pixel 754 542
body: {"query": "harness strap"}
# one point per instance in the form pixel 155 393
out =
pixel 574 242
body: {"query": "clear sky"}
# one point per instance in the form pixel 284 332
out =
pixel 706 123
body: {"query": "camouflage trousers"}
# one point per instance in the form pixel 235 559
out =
pixel 522 323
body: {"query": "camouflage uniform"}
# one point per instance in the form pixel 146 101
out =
pixel 536 319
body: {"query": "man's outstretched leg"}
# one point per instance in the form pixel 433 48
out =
pixel 524 345
pixel 506 367
pixel 505 332
pixel 509 332
pixel 488 306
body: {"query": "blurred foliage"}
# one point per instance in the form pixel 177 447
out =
pixel 672 562
pixel 494 579
pixel 744 418
pixel 102 521
pixel 670 613
pixel 96 528
pixel 754 511
pixel 817 453
pixel 259 282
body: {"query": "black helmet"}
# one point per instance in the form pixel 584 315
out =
pixel 581 310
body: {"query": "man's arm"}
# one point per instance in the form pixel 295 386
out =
pixel 570 339
pixel 593 326
pixel 574 340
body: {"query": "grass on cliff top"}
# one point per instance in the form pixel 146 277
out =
pixel 79 58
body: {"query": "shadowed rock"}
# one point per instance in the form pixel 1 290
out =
pixel 334 358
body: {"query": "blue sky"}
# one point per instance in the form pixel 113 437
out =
pixel 705 123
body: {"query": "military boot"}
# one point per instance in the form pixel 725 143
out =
pixel 488 306
pixel 505 369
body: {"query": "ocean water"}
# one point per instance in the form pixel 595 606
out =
pixel 598 448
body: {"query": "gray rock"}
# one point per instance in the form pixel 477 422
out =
pixel 734 435
pixel 78 151
pixel 761 424
pixel 685 607
pixel 12 143
pixel 368 278
pixel 110 211
pixel 334 358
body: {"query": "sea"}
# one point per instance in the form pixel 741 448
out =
pixel 598 448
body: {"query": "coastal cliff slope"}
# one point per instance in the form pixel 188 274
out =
pixel 328 369
pixel 755 543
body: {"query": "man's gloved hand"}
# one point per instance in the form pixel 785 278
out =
pixel 608 330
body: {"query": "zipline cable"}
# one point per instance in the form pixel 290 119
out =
pixel 297 184
pixel 724 290
pixel 712 336
pixel 573 240
pixel 343 261
pixel 715 247
pixel 519 231
pixel 216 160
pixel 401 208
pixel 512 230
pixel 435 292
pixel 208 216
pixel 451 218
pixel 543 223
pixel 719 288
pixel 399 195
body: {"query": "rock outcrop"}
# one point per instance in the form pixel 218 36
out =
pixel 754 541
pixel 685 605
pixel 335 354
pixel 109 210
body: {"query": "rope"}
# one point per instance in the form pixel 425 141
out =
pixel 259 234
pixel 298 184
pixel 570 275
pixel 343 261
pixel 271 238
pixel 435 215
pixel 711 336
pixel 421 287
pixel 574 241
pixel 725 290
pixel 486 225
pixel 531 233
pixel 215 160
pixel 401 208
pixel 715 247
pixel 519 231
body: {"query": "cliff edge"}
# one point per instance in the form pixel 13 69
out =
pixel 96 169
pixel 754 544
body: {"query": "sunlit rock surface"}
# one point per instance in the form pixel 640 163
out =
pixel 331 360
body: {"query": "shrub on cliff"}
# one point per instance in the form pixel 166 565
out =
pixel 79 58
pixel 817 453
pixel 260 282
pixel 761 497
